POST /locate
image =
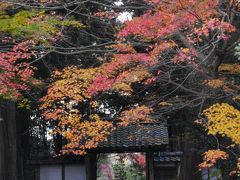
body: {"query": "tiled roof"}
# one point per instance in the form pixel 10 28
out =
pixel 136 138
pixel 168 156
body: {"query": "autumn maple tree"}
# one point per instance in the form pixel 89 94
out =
pixel 178 45
pixel 174 55
pixel 22 32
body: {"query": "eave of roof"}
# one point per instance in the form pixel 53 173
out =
pixel 142 137
pixel 163 157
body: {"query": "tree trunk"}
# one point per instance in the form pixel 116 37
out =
pixel 2 150
pixel 189 170
pixel 23 146
pixel 191 157
pixel 8 142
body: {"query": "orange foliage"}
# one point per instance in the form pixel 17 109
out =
pixel 136 115
pixel 192 21
pixel 123 71
pixel 214 83
pixel 211 157
pixel 123 48
pixel 65 97
pixel 62 104
pixel 229 68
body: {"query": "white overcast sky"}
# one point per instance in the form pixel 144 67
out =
pixel 124 16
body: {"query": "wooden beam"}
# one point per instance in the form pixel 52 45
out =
pixel 150 165
pixel 91 166
pixel 63 171
pixel 8 150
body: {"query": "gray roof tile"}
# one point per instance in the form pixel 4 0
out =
pixel 136 137
pixel 168 156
